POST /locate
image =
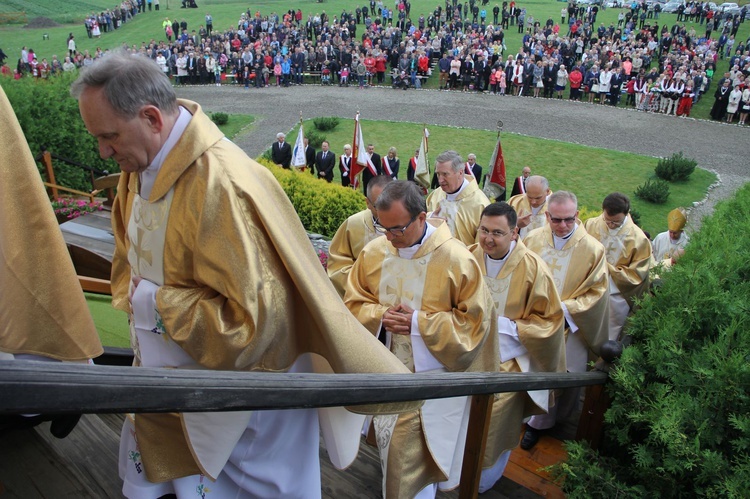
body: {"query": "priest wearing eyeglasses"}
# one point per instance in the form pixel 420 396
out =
pixel 530 329
pixel 579 269
pixel 531 206
pixel 628 257
pixel 424 291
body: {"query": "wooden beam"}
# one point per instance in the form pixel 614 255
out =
pixel 94 285
pixel 476 441
pixel 67 388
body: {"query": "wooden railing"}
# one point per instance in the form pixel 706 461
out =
pixel 74 388
pixel 101 180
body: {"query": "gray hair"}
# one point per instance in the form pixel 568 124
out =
pixel 129 83
pixel 561 197
pixel 280 135
pixel 405 191
pixel 539 180
pixel 452 157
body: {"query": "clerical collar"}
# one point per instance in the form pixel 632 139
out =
pixel 495 266
pixel 560 241
pixel 453 195
pixel 408 253
pixel 613 232
pixel 147 177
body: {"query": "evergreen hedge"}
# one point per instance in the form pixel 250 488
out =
pixel 654 191
pixel 679 424
pixel 322 207
pixel 49 118
pixel 675 168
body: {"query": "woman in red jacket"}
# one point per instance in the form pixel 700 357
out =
pixel 576 78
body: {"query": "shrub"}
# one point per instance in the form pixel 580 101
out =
pixel 679 423
pixel 316 139
pixel 676 167
pixel 220 118
pixel 322 207
pixel 635 216
pixel 50 119
pixel 326 124
pixel 654 191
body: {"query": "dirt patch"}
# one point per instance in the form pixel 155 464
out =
pixel 42 22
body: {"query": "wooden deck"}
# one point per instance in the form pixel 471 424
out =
pixel 34 464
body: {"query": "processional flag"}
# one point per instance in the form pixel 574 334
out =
pixel 422 173
pixel 299 159
pixel 495 186
pixel 359 153
pixel 42 307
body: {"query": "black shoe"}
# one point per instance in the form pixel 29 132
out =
pixel 530 437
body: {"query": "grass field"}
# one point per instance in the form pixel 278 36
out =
pixel 146 27
pixel 588 172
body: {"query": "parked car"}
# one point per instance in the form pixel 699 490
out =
pixel 671 6
pixel 729 8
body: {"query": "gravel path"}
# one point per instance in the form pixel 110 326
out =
pixel 717 147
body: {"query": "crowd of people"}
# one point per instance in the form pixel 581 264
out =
pixel 652 67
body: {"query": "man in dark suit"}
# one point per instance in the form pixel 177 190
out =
pixel 192 68
pixel 519 186
pixel 375 159
pixel 472 168
pixel 325 161
pixel 309 156
pixel 281 152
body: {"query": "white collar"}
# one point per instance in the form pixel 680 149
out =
pixel 452 197
pixel 495 266
pixel 561 241
pixel 408 253
pixel 148 176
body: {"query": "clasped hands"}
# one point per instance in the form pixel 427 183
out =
pixel 397 320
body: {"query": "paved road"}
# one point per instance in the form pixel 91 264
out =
pixel 718 147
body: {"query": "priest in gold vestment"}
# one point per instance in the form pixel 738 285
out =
pixel 628 257
pixel 579 269
pixel 353 235
pixel 531 206
pixel 458 200
pixel 424 291
pixel 43 313
pixel 216 272
pixel 530 327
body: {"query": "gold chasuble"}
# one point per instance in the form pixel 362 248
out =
pixel 443 283
pixel 520 203
pixel 352 236
pixel 579 271
pixel 462 214
pixel 253 300
pixel 525 293
pixel 42 308
pixel 628 255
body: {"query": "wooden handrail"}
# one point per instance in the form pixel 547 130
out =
pixel 66 388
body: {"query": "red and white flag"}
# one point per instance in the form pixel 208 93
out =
pixel 495 187
pixel 359 153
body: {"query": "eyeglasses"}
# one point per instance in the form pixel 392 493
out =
pixel 396 231
pixel 566 221
pixel 612 224
pixel 492 233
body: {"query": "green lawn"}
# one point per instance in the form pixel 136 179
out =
pixel 589 172
pixel 111 324
pixel 237 124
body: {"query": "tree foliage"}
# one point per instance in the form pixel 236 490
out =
pixel 679 424
pixel 50 120
pixel 675 168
